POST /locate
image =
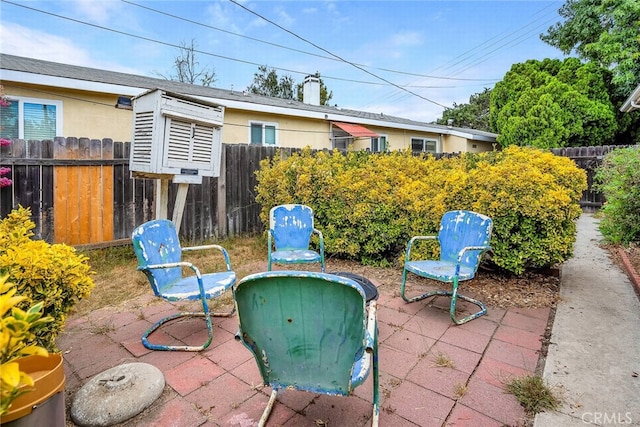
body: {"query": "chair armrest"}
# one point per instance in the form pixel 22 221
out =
pixel 412 241
pixel 172 265
pixel 372 327
pixel 321 238
pixel 270 240
pixel 483 249
pixel 224 252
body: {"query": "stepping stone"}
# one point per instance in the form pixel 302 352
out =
pixel 117 394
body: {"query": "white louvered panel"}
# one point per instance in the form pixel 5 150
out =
pixel 202 145
pixel 179 141
pixel 142 137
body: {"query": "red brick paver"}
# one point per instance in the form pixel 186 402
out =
pixel 221 386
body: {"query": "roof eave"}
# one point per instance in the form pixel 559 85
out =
pixel 633 102
pixel 318 112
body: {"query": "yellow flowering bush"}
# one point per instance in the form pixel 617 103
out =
pixel 369 205
pixel 54 275
pixel 17 338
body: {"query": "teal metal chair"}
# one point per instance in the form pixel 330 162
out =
pixel 308 331
pixel 159 256
pixel 464 237
pixel 290 230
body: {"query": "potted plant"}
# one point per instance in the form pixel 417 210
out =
pixel 17 336
pixel 40 284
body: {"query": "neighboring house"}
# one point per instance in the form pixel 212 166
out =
pixel 633 102
pixel 53 99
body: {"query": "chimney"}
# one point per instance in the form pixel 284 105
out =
pixel 311 90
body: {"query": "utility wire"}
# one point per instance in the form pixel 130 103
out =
pixel 148 39
pixel 181 18
pixel 337 56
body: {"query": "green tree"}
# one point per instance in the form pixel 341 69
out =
pixel 266 82
pixel 606 32
pixel 325 94
pixel 187 68
pixel 553 103
pixel 474 115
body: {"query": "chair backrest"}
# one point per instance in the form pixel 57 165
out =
pixel 459 229
pixel 292 226
pixel 305 329
pixel 156 242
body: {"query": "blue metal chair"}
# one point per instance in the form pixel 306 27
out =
pixel 159 256
pixel 464 237
pixel 308 331
pixel 290 230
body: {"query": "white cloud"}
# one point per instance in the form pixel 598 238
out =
pixel 406 38
pixel 23 41
pixel 98 12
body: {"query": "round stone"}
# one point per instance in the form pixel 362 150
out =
pixel 117 394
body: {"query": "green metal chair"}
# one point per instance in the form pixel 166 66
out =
pixel 159 256
pixel 464 237
pixel 290 230
pixel 308 331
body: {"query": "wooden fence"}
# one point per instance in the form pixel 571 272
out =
pixel 588 158
pixel 80 191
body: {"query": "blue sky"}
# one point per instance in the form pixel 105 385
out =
pixel 403 58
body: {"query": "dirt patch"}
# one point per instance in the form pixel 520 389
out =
pixel 530 290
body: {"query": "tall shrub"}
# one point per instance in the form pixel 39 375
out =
pixel 619 180
pixel 369 205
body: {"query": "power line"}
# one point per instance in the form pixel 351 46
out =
pixel 337 56
pixel 472 53
pixel 181 18
pixel 148 39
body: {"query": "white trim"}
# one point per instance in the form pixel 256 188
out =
pixel 633 102
pixel 263 124
pixel 22 99
pixel 424 141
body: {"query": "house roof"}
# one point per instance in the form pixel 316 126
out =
pixel 35 71
pixel 633 102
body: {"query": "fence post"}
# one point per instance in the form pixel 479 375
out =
pixel 222 194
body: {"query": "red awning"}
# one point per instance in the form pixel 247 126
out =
pixel 356 131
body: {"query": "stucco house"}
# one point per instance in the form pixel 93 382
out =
pixel 54 99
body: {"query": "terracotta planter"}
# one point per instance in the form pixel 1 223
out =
pixel 46 401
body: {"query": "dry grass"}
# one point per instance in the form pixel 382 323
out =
pixel 117 279
pixel 443 361
pixel 533 394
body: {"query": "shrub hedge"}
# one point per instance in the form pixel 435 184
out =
pixel 369 205
pixel 54 275
pixel 619 180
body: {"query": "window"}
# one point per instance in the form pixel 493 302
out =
pixel 263 133
pixel 424 145
pixel 30 118
pixel 379 144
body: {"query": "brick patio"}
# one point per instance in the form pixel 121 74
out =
pixel 221 386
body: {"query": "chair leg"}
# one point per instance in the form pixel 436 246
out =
pixel 452 309
pixel 164 320
pixel 267 410
pixel 454 296
pixel 419 297
pixel 376 384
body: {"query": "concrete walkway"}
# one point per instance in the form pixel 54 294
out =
pixel 594 355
